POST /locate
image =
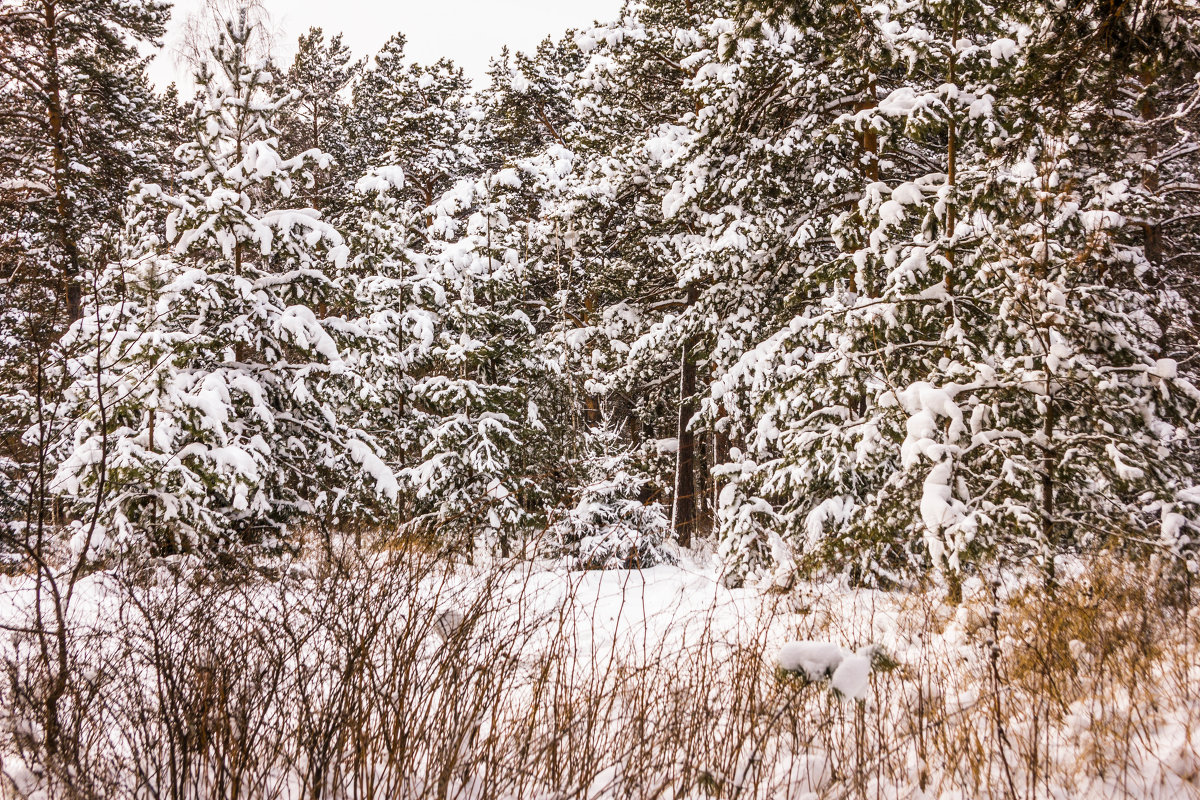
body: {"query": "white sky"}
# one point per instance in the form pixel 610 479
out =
pixel 468 31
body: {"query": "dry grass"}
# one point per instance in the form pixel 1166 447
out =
pixel 334 682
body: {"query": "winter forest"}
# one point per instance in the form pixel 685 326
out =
pixel 734 399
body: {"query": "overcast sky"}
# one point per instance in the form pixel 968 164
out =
pixel 468 31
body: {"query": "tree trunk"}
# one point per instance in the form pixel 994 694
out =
pixel 951 158
pixel 72 291
pixel 869 140
pixel 683 512
pixel 1151 232
pixel 1049 459
pixel 720 455
pixel 704 515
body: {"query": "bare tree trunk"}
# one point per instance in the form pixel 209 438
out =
pixel 1151 232
pixel 683 511
pixel 704 516
pixel 869 148
pixel 869 141
pixel 72 291
pixel 1049 459
pixel 952 156
pixel 720 455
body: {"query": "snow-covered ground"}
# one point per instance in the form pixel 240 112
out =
pixel 400 677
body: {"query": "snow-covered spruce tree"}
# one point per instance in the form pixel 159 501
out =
pixel 212 405
pixel 940 400
pixel 611 528
pixel 752 190
pixel 456 365
pixel 486 456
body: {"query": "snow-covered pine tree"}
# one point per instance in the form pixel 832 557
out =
pixel 1126 81
pixel 444 291
pixel 938 401
pixel 896 81
pixel 620 266
pixel 416 117
pixel 79 124
pixel 388 297
pixel 527 105
pixel 456 363
pixel 321 75
pixel 531 136
pixel 212 407
pixel 476 398
pixel 751 194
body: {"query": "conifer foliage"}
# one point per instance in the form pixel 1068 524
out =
pixel 884 291
pixel 213 403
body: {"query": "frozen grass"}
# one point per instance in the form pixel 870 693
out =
pixel 393 673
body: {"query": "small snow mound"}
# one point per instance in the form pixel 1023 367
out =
pixel 1003 50
pixel 816 660
pixel 1166 368
pixel 852 678
pixel 908 194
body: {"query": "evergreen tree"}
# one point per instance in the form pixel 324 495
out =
pixel 77 121
pixel 632 304
pixel 320 75
pixel 528 103
pixel 415 117
pixel 456 359
pixel 874 289
pixel 939 400
pixel 214 406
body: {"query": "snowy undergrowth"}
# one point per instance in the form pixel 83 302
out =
pixel 396 674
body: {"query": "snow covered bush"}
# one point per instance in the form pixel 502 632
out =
pixel 611 527
pixel 847 671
